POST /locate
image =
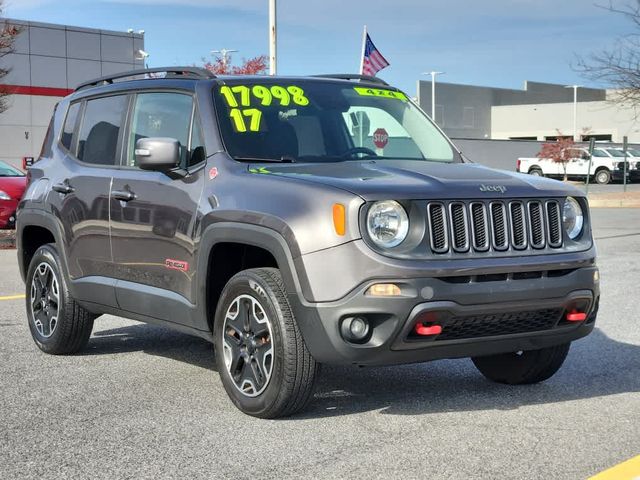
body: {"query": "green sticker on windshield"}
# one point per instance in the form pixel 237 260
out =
pixel 380 92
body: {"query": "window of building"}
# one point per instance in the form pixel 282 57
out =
pixel 70 125
pixel 597 138
pixel 98 136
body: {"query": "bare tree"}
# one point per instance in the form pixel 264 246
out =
pixel 8 34
pixel 618 66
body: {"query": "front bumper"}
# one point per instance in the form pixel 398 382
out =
pixel 491 300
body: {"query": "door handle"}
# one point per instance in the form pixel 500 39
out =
pixel 123 195
pixel 63 188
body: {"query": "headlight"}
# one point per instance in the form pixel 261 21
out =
pixel 572 217
pixel 4 195
pixel 387 223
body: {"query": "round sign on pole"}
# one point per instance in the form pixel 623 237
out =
pixel 380 138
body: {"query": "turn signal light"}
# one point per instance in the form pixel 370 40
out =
pixel 339 219
pixel 384 290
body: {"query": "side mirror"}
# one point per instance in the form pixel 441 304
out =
pixel 157 153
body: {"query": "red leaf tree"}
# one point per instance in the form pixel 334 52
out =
pixel 8 34
pixel 251 66
pixel 560 151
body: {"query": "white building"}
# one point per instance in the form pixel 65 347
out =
pixel 48 62
pixel 536 112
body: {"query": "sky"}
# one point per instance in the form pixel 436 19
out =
pixel 498 43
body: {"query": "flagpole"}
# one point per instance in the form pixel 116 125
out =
pixel 364 42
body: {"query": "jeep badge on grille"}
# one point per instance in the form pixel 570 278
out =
pixel 493 188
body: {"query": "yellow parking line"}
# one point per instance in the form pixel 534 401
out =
pixel 13 297
pixel 629 470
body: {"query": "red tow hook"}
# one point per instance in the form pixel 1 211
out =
pixel 576 316
pixel 428 331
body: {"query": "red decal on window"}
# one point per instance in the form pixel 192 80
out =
pixel 213 173
pixel 176 265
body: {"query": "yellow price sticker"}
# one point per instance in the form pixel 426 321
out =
pixel 242 95
pixel 380 92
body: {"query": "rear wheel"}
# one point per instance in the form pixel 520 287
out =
pixel 58 324
pixel 263 362
pixel 603 176
pixel 536 172
pixel 518 368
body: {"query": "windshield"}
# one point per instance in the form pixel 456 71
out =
pixel 615 153
pixel 9 171
pixel 634 152
pixel 324 121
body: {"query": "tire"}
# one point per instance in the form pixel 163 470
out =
pixel 58 324
pixel 273 372
pixel 603 177
pixel 536 172
pixel 522 368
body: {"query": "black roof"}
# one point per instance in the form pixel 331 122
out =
pixel 196 73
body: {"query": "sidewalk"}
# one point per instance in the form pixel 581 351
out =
pixel 614 200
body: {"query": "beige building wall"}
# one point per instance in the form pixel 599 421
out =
pixel 543 120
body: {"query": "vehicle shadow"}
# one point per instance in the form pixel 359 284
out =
pixel 596 366
pixel 153 340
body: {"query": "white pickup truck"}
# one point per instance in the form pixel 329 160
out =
pixel 604 165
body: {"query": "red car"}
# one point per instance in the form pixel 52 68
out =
pixel 12 185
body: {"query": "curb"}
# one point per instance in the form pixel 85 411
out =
pixel 7 240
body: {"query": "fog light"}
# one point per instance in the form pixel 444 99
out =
pixel 384 290
pixel 355 329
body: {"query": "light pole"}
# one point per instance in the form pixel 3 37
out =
pixel 575 111
pixel 225 55
pixel 273 38
pixel 433 93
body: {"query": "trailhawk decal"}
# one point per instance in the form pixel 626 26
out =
pixel 176 265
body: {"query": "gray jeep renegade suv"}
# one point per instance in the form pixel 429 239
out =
pixel 294 221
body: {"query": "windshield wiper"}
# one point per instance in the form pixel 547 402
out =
pixel 283 159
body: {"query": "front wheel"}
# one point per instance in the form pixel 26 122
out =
pixel 603 177
pixel 262 359
pixel 526 367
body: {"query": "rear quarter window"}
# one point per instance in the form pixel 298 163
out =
pixel 69 126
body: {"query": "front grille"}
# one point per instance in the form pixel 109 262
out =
pixel 483 226
pixel 474 326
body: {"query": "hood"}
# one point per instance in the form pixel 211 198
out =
pixel 13 186
pixel 417 179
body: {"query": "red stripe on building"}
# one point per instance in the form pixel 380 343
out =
pixel 40 91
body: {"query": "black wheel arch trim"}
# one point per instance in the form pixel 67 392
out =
pixel 42 219
pixel 290 265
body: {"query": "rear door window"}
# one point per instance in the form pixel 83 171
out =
pixel 100 130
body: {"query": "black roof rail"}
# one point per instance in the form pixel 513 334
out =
pixel 170 72
pixel 353 76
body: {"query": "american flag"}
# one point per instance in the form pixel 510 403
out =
pixel 373 60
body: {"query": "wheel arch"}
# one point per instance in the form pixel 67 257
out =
pixel 233 247
pixel 34 229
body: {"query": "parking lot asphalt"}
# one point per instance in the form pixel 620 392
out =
pixel 146 402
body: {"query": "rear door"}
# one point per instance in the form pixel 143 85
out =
pixel 89 146
pixel 153 216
